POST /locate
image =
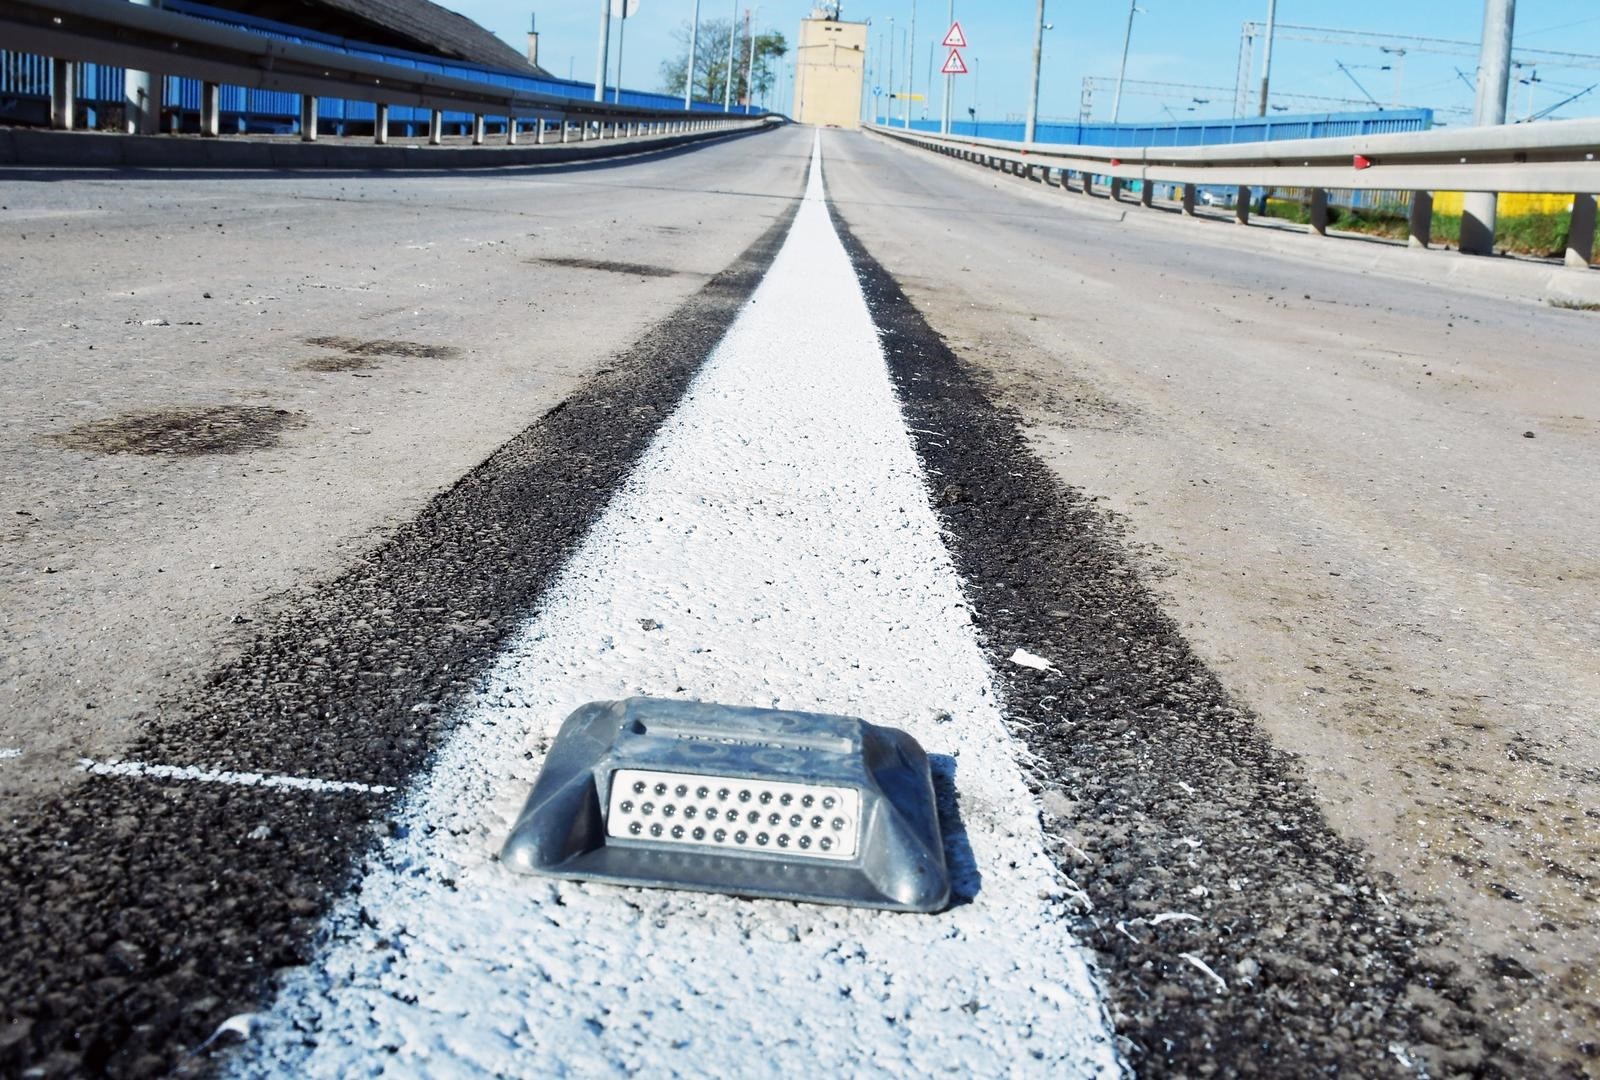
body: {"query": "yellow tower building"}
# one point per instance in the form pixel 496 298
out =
pixel 829 66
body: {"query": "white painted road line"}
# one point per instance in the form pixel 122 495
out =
pixel 221 776
pixel 9 752
pixel 775 547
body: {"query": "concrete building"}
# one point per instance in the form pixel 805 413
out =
pixel 829 65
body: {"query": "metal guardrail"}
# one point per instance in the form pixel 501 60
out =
pixel 1561 157
pixel 140 38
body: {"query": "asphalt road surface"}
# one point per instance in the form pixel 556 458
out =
pixel 327 496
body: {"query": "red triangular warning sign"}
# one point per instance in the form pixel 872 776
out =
pixel 954 65
pixel 955 39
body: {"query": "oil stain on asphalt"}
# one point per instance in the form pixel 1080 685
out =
pixel 182 430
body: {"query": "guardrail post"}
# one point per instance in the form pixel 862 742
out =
pixel 308 118
pixel 435 127
pixel 1116 189
pixel 1580 238
pixel 1319 211
pixel 511 131
pixel 1420 225
pixel 1088 183
pixel 63 80
pixel 1241 205
pixel 210 109
pixel 1188 200
pixel 477 129
pixel 1147 193
pixel 380 125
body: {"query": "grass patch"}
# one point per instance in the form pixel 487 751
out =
pixel 1544 235
pixel 1573 305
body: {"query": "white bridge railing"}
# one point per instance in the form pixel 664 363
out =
pixel 1561 157
pixel 122 34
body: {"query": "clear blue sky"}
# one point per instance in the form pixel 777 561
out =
pixel 1174 41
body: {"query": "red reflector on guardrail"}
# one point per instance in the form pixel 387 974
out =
pixel 1362 162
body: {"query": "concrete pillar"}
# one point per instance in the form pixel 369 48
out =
pixel 1421 220
pixel 1147 193
pixel 380 125
pixel 1319 211
pixel 1116 189
pixel 435 127
pixel 63 94
pixel 1580 241
pixel 308 118
pixel 1241 205
pixel 1188 200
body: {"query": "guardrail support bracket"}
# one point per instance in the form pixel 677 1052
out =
pixel 1319 211
pixel 1420 231
pixel 435 128
pixel 210 110
pixel 308 118
pixel 1147 193
pixel 1188 200
pixel 63 82
pixel 1241 205
pixel 1580 238
pixel 380 126
pixel 1116 189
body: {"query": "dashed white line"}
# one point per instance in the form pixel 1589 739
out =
pixel 775 547
pixel 223 776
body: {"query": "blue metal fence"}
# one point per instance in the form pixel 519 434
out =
pixel 1196 132
pixel 25 83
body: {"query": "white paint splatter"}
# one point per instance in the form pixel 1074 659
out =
pixel 222 776
pixel 9 752
pixel 778 535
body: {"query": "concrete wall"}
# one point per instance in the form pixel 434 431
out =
pixel 829 66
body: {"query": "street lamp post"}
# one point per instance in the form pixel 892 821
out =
pixel 733 36
pixel 1033 88
pixel 1127 40
pixel 911 49
pixel 622 37
pixel 601 59
pixel 1478 211
pixel 688 72
pixel 1266 60
pixel 750 70
pixel 949 83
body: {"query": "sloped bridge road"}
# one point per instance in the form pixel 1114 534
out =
pixel 1249 631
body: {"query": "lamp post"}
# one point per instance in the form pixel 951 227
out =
pixel 688 72
pixel 601 59
pixel 1127 40
pixel 911 48
pixel 1266 60
pixel 750 69
pixel 1033 88
pixel 1478 210
pixel 733 36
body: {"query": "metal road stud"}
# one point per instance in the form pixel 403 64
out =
pixel 754 802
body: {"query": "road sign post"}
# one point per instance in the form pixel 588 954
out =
pixel 954 40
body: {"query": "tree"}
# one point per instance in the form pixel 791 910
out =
pixel 711 61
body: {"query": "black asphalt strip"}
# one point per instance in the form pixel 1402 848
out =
pixel 1194 841
pixel 137 914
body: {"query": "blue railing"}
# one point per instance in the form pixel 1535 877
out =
pixel 1196 132
pixel 25 80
